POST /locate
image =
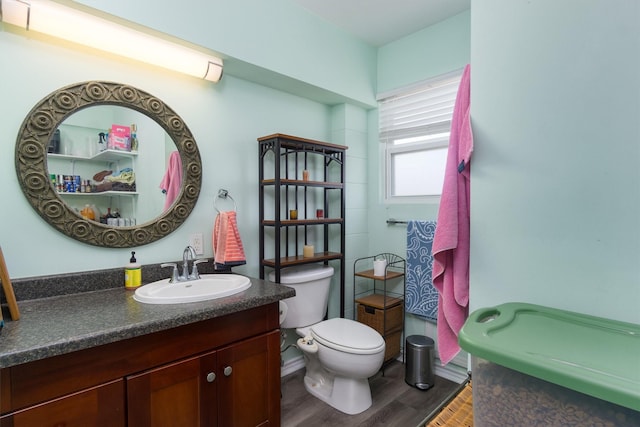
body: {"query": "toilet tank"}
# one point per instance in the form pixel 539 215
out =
pixel 311 283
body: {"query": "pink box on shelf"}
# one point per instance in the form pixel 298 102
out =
pixel 119 138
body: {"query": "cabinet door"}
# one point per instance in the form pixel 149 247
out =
pixel 101 406
pixel 179 394
pixel 249 387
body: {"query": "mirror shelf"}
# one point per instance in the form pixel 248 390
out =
pixel 32 161
pixel 106 156
pixel 100 194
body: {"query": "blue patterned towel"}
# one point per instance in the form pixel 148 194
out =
pixel 421 297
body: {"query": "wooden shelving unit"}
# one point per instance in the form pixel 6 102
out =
pixel 379 307
pixel 285 158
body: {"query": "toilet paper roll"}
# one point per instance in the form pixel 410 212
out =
pixel 379 267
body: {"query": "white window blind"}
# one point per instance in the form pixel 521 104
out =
pixel 425 109
pixel 414 126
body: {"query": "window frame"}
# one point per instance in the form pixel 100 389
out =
pixel 388 149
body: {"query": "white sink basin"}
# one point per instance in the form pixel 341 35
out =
pixel 208 287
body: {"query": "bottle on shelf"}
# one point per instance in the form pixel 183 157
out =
pixel 105 219
pixel 134 138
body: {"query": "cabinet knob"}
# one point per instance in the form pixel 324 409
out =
pixel 227 371
pixel 211 377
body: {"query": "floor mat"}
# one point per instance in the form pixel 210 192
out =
pixel 458 412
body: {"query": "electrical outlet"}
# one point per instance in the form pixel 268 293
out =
pixel 197 242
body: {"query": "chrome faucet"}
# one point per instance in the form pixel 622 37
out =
pixel 188 252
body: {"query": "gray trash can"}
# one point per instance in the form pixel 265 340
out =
pixel 420 362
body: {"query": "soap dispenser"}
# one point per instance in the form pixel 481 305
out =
pixel 132 273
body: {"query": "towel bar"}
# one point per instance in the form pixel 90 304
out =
pixel 395 221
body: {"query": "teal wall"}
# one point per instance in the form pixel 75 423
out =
pixel 265 41
pixel 435 50
pixel 555 195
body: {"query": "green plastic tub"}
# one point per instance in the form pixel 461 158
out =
pixel 531 362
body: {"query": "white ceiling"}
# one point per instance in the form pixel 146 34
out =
pixel 379 22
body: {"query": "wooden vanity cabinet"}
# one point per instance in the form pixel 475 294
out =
pixel 227 387
pixel 217 372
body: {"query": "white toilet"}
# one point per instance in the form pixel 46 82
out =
pixel 340 354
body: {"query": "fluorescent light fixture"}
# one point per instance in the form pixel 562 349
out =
pixel 79 26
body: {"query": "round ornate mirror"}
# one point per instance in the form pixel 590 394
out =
pixel 32 166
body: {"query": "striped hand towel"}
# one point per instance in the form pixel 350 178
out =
pixel 227 245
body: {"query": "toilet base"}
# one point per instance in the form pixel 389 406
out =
pixel 348 395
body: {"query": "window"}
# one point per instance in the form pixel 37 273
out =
pixel 414 131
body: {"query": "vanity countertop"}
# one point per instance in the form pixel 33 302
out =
pixel 62 324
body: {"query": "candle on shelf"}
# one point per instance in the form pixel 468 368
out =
pixel 305 175
pixel 293 214
pixel 319 213
pixel 307 251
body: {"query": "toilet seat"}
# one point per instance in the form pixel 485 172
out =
pixel 347 336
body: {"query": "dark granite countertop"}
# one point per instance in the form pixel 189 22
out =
pixel 62 324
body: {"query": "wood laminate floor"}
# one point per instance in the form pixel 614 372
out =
pixel 395 403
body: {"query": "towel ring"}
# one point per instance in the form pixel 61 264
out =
pixel 224 194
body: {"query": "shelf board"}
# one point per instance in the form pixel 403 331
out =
pixel 379 301
pixel 299 259
pixel 102 193
pixel 294 222
pixel 369 275
pixel 111 155
pixel 297 143
pixel 301 183
pixel 106 155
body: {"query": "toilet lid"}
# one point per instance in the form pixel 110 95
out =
pixel 348 336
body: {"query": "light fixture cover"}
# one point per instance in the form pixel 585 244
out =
pixel 78 26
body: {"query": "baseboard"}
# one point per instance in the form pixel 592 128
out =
pixel 292 365
pixel 451 372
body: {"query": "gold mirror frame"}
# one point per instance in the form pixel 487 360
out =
pixel 31 163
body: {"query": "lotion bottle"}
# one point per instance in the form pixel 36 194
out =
pixel 132 273
pixel 134 138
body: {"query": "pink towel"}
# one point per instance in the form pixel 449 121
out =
pixel 452 237
pixel 172 181
pixel 227 245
